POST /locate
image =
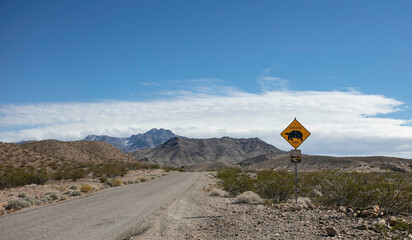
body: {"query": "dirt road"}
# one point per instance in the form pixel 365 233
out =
pixel 114 214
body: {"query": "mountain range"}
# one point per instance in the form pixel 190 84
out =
pixel 165 148
pixel 150 139
pixel 180 152
pixel 316 162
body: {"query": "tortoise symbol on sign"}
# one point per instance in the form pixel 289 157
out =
pixel 295 134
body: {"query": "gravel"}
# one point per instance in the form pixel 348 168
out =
pixel 198 215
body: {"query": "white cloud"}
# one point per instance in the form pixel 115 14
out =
pixel 341 123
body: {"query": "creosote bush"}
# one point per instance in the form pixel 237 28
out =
pixel 15 177
pixel 392 192
pixel 234 181
pixel 275 185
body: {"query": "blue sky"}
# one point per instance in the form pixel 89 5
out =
pixel 342 67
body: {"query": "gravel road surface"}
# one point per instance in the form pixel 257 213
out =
pixel 118 213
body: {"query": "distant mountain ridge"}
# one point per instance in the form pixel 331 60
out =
pixel 150 139
pixel 317 162
pixel 182 152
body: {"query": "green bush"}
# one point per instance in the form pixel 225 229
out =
pixel 234 181
pixel 392 192
pixel 345 189
pixel 275 185
pixel 103 180
pixel 15 177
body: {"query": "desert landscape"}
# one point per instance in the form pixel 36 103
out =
pixel 245 189
pixel 181 120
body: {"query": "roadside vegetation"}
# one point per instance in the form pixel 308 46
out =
pixel 11 176
pixel 386 193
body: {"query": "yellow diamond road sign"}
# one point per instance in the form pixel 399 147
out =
pixel 295 134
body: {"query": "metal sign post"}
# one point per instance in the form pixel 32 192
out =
pixel 296 157
pixel 295 134
pixel 296 182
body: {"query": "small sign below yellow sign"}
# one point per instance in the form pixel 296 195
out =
pixel 295 156
pixel 295 134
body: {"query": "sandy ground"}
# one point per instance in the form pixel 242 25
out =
pixel 39 191
pixel 197 215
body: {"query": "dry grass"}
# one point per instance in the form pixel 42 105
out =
pixel 248 197
pixel 86 188
pixel 216 192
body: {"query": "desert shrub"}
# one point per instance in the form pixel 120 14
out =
pixel 103 180
pixel 248 197
pixel 58 175
pixel 115 182
pixel 67 192
pixel 109 169
pixel 63 197
pixel 216 192
pixel 76 174
pixel 344 189
pixel 18 203
pixel 86 188
pixel 178 169
pixel 32 200
pixel 130 182
pixel 153 166
pixel 53 195
pixel 234 181
pixel 22 195
pixel 275 185
pixel 401 230
pixel 75 193
pixel 392 192
pixel 74 187
pixel 15 177
pixel 72 172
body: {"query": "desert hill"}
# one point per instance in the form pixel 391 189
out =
pixel 314 162
pixel 150 139
pixel 14 155
pixel 78 151
pixel 183 152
